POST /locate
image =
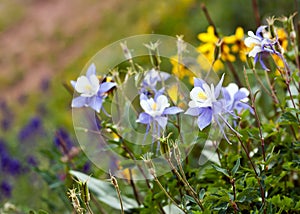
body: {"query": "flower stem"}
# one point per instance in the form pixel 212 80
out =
pixel 166 193
pixel 210 21
pixel 115 184
pixel 252 98
pixel 256 12
pixel 190 189
pixel 253 166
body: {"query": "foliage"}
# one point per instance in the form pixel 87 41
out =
pixel 251 167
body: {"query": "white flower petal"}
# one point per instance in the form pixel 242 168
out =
pixel 194 94
pixel 162 103
pixel 94 82
pixel 249 41
pixel 232 88
pixel 81 84
pixel 145 105
pixel 255 51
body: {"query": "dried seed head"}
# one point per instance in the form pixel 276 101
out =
pixel 75 201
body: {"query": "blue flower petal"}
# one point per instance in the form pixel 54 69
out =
pixel 243 106
pixel 194 111
pixel 198 82
pixel 219 87
pixel 159 92
pixel 144 118
pixel 91 70
pixel 172 110
pixel 226 95
pixel 239 95
pixel 262 63
pixel 162 121
pixel 95 103
pixel 106 86
pixel 205 118
pixel 73 83
pixel 79 102
pixel 143 96
pixel 260 30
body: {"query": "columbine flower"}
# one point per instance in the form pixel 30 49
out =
pixel 260 45
pixel 205 102
pixel 156 111
pixel 236 98
pixel 91 91
pixel 151 79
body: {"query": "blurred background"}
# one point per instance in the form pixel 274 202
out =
pixel 45 43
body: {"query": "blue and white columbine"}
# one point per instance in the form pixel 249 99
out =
pixel 260 45
pixel 155 112
pixel 236 98
pixel 92 93
pixel 151 80
pixel 206 102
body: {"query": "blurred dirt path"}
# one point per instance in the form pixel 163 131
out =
pixel 50 35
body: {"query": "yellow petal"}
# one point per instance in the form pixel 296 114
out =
pixel 239 33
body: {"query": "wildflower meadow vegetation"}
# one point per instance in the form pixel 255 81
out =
pixel 164 126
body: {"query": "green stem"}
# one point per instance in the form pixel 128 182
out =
pixel 167 194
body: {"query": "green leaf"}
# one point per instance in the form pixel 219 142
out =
pixel 189 198
pixel 105 192
pixel 248 194
pixel 219 169
pixel 201 193
pixel 288 202
pixel 288 118
pixel 236 167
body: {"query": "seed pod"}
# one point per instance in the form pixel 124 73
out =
pixel 85 194
pixel 74 200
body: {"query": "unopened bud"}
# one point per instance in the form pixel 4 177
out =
pixel 250 62
pixel 293 36
pixel 126 51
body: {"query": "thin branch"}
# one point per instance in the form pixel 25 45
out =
pixel 256 13
pixel 210 21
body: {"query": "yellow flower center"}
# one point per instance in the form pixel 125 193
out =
pixel 88 87
pixel 154 106
pixel 202 96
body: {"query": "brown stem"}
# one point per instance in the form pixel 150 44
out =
pixel 235 74
pixel 256 13
pixel 210 21
pixel 252 98
pixel 135 192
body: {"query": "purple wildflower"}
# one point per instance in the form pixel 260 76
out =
pixel 6 189
pixel 261 45
pixel 205 102
pixel 236 98
pixel 92 93
pixel 63 141
pixel 155 112
pixel 32 128
pixel 151 79
pixel 32 161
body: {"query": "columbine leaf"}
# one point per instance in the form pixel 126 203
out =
pixel 236 167
pixel 201 193
pixel 288 118
pixel 189 198
pixel 219 169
